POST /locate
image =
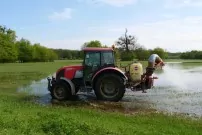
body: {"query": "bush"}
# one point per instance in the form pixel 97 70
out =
pixel 161 52
pixel 142 54
pixel 127 56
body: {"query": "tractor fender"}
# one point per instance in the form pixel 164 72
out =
pixel 109 70
pixel 70 83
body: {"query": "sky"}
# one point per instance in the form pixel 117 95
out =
pixel 175 25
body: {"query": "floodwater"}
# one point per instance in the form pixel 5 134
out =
pixel 178 90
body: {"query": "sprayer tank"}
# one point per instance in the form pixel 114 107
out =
pixel 135 71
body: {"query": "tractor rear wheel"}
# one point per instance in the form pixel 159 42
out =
pixel 109 87
pixel 61 91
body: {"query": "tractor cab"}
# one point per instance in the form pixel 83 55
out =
pixel 96 59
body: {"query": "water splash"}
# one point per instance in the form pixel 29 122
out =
pixel 175 77
pixel 178 89
pixel 37 88
pixel 184 80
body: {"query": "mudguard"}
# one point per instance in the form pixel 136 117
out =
pixel 70 83
pixel 109 70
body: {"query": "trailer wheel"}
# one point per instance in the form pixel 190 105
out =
pixel 61 91
pixel 109 87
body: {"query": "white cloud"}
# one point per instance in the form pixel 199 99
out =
pixel 172 34
pixel 63 15
pixel 116 3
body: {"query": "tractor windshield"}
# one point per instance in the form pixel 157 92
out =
pixel 92 58
pixel 107 58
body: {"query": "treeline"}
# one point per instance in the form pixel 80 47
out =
pixel 191 55
pixel 68 54
pixel 127 49
pixel 139 53
pixel 142 53
pixel 194 54
pixel 12 50
pixel 76 54
pixel 174 55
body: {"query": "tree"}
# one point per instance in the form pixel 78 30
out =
pixel 25 50
pixel 161 52
pixel 194 54
pixel 52 55
pixel 40 53
pixel 93 43
pixel 8 51
pixel 127 56
pixel 22 50
pixel 142 54
pixel 127 42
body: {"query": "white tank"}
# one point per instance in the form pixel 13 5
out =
pixel 135 71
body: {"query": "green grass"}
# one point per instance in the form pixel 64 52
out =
pixel 18 115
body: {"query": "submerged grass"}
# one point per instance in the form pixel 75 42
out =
pixel 19 116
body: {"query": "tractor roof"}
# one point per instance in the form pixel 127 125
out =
pixel 97 49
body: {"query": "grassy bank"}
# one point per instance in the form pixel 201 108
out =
pixel 19 116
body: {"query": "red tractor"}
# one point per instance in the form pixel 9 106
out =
pixel 99 72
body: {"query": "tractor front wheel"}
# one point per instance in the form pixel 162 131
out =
pixel 61 91
pixel 110 87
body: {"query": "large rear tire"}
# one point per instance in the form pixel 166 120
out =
pixel 61 91
pixel 109 87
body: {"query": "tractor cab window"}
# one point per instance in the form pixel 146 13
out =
pixel 92 59
pixel 107 58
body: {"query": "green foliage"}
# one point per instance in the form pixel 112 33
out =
pixel 22 50
pixel 161 52
pixel 25 50
pixel 142 54
pixel 93 43
pixel 174 55
pixel 117 54
pixel 127 56
pixel 52 55
pixel 76 54
pixel 191 55
pixel 68 54
pixel 8 51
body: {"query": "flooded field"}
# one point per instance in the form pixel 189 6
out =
pixel 178 90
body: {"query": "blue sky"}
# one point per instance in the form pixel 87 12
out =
pixel 175 25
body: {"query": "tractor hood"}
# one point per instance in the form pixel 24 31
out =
pixel 76 67
pixel 68 71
